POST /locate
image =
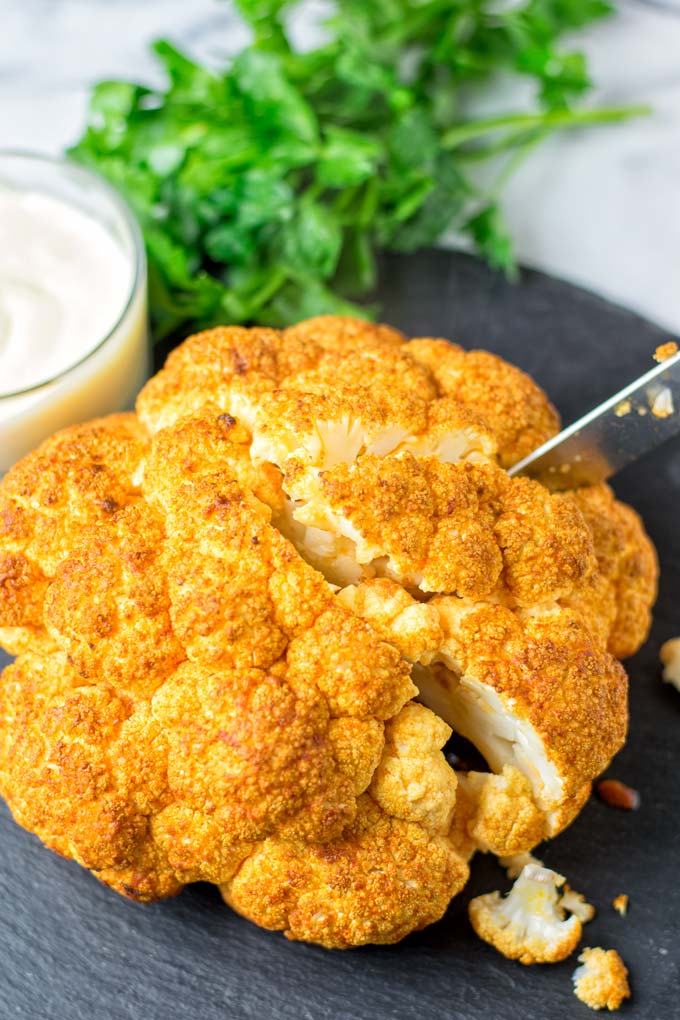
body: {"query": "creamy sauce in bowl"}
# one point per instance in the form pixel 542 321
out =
pixel 73 301
pixel 64 282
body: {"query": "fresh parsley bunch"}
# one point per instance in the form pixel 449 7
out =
pixel 265 191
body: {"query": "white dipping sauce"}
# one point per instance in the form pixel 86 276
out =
pixel 73 313
pixel 64 281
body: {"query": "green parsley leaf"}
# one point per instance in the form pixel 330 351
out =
pixel 265 189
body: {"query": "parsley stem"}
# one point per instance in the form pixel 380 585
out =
pixel 516 159
pixel 554 119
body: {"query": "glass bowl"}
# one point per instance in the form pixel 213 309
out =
pixel 107 377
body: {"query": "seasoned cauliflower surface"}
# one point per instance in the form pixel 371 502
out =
pixel 528 924
pixel 602 979
pixel 224 607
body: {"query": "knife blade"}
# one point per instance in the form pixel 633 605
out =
pixel 637 419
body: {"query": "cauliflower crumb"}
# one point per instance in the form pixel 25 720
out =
pixel 623 408
pixel 662 405
pixel 514 863
pixel 670 657
pixel 620 904
pixel 529 923
pixel 665 351
pixel 602 979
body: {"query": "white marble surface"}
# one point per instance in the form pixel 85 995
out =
pixel 601 208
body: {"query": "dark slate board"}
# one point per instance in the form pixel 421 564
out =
pixel 72 950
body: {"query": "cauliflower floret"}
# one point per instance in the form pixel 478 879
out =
pixel 313 431
pixel 79 477
pixel 382 879
pixel 412 627
pixel 602 979
pixel 343 335
pixel 529 923
pixel 503 818
pixel 620 595
pixel 514 863
pixel 413 780
pixel 221 370
pixel 519 414
pixel 576 904
pixel 670 658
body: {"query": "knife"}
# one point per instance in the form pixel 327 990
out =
pixel 637 419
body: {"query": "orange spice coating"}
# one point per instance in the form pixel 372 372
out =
pixel 193 701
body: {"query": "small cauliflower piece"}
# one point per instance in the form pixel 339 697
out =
pixel 504 818
pixel 529 923
pixel 413 780
pixel 666 351
pixel 670 658
pixel 412 627
pixel 602 979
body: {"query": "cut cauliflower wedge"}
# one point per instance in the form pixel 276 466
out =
pixel 602 979
pixel 531 689
pixel 528 924
pixel 462 528
pixel 318 430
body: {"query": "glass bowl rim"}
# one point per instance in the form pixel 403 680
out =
pixel 138 254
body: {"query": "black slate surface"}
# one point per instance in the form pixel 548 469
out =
pixel 72 950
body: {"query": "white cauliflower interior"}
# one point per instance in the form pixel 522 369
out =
pixel 478 713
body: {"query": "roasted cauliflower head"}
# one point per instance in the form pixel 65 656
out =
pixel 248 618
